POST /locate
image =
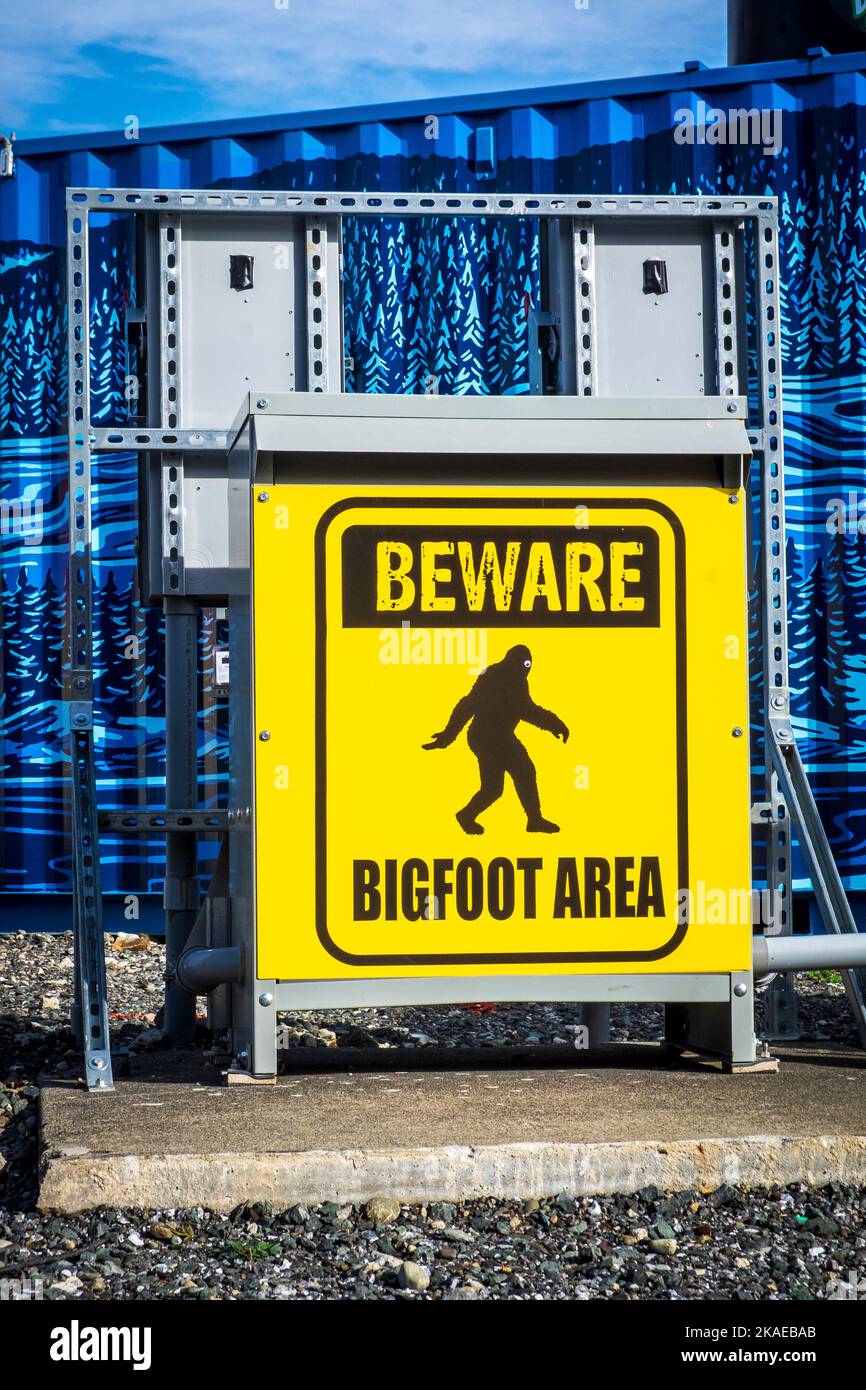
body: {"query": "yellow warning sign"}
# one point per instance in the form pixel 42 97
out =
pixel 506 731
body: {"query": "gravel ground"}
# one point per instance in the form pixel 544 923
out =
pixel 781 1244
pixel 733 1244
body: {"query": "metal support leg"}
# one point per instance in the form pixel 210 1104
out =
pixel 76 1021
pixel 725 1032
pixel 254 1033
pixel 596 1018
pixel 92 1012
pixel 263 1060
pixel 90 1004
pixel 781 1000
pixel 181 898
pixel 781 1019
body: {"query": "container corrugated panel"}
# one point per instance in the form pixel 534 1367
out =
pixel 452 303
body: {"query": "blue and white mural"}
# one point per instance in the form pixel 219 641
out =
pixel 442 306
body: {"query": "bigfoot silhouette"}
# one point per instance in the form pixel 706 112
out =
pixel 496 704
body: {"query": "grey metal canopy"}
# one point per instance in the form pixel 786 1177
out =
pixel 496 425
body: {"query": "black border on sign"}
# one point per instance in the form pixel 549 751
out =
pixel 682 779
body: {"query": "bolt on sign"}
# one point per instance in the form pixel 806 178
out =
pixel 504 731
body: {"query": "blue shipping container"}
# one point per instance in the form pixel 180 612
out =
pixel 453 300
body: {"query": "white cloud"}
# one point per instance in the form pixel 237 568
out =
pixel 249 56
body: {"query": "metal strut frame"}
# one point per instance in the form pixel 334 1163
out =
pixel 569 318
pixel 90 1013
pixel 767 442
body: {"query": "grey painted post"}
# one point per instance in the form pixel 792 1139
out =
pixel 181 793
pixel 596 1018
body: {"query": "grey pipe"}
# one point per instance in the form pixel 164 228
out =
pixel 202 968
pixel 781 953
pixel 596 1018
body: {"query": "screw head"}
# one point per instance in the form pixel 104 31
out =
pixel 264 736
pixel 732 408
pixel 264 497
pixel 778 702
pixel 266 999
pixel 740 990
pixel 737 732
pixel 733 499
pixel 262 403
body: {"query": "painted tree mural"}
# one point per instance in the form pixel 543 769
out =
pixel 430 305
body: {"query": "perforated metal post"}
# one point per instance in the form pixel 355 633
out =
pixel 318 363
pixel 172 523
pixel 586 383
pixel 170 399
pixel 90 1015
pixel 781 999
pixel 181 893
pixel 182 890
pixel 169 326
pixel 726 309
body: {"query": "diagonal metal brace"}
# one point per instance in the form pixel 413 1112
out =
pixel 830 893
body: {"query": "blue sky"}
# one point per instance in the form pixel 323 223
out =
pixel 78 67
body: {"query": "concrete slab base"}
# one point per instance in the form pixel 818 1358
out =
pixel 169 1138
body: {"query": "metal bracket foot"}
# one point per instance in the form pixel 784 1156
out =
pixel 236 1076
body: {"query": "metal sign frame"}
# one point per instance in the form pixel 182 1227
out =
pixel 569 313
pixel 278 438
